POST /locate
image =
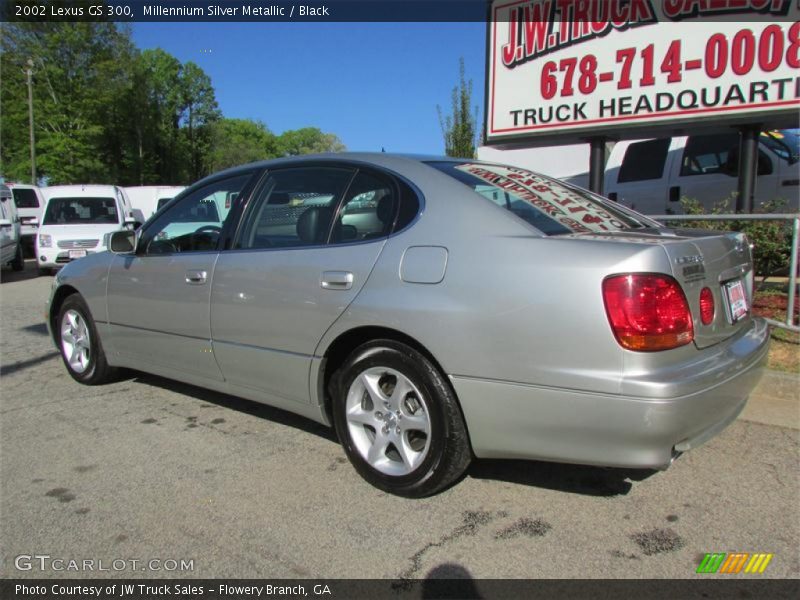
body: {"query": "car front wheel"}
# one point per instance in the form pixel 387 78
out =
pixel 80 345
pixel 399 421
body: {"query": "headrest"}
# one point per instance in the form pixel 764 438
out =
pixel 385 209
pixel 312 226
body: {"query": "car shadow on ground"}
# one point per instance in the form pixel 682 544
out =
pixel 39 329
pixel 576 479
pixel 256 409
pixel 30 271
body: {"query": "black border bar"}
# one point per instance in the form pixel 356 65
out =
pixel 261 11
pixel 700 586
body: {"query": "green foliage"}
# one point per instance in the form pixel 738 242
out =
pixel 459 128
pixel 76 84
pixel 308 140
pixel 240 141
pixel 772 240
pixel 106 112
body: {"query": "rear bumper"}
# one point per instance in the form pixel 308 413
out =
pixel 685 409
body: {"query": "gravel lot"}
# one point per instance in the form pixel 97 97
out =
pixel 151 469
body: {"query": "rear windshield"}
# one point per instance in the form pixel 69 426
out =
pixel 550 206
pixel 25 198
pixel 80 211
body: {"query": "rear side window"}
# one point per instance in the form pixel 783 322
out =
pixel 25 198
pixel 295 208
pixel 375 206
pixel 644 160
pixel 551 207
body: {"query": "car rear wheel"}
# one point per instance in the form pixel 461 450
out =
pixel 399 421
pixel 80 345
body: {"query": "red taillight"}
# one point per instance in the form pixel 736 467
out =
pixel 706 306
pixel 647 312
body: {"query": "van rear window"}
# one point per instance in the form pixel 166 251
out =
pixel 80 211
pixel 549 205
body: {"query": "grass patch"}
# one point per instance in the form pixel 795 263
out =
pixel 771 302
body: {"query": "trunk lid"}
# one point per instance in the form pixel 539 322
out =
pixel 721 261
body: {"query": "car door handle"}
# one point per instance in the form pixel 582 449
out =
pixel 336 280
pixel 196 277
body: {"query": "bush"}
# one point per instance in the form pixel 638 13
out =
pixel 771 240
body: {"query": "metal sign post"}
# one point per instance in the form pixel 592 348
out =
pixel 748 167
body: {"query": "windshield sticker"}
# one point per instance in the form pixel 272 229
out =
pixel 569 208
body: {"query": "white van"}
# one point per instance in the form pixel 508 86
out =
pixel 77 220
pixel 10 238
pixel 149 198
pixel 653 175
pixel 29 202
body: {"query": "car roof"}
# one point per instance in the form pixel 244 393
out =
pixel 25 186
pixel 383 159
pixel 84 190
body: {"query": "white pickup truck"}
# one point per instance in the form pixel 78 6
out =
pixel 652 176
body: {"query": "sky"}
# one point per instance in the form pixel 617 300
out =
pixel 375 85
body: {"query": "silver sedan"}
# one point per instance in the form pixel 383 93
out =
pixel 431 310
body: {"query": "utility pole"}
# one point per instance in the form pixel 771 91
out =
pixel 29 73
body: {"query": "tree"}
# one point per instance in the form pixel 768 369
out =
pixel 199 111
pixel 460 127
pixel 239 141
pixel 308 140
pixel 77 79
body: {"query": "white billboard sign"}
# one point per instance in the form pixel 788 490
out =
pixel 590 67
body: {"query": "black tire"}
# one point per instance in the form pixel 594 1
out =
pixel 97 370
pixel 446 452
pixel 19 262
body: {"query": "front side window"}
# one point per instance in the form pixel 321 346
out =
pixel 80 211
pixel 195 223
pixel 25 198
pixel 710 154
pixel 295 208
pixel 548 205
pixel 644 161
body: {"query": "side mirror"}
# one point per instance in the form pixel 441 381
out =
pixel 122 242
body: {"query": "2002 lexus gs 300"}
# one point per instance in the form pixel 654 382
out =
pixel 431 310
